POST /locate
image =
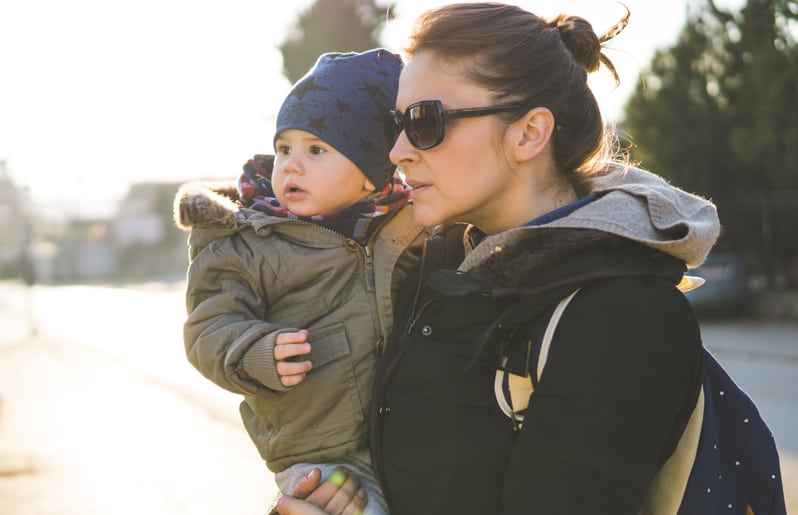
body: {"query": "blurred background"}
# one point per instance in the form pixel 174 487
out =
pixel 106 107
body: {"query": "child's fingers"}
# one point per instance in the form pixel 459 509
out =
pixel 290 368
pixel 290 350
pixel 292 380
pixel 289 345
pixel 300 336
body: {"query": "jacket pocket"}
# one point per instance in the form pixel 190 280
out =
pixel 324 411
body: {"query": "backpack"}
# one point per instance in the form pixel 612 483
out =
pixel 725 462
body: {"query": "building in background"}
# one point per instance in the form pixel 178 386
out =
pixel 143 234
pixel 15 230
pixel 139 242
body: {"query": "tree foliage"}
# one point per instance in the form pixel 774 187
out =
pixel 332 26
pixel 718 111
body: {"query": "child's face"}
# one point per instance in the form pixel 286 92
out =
pixel 310 177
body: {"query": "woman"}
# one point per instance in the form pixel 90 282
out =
pixel 496 127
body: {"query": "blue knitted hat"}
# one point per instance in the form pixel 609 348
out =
pixel 343 100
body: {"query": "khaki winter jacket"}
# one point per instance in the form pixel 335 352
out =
pixel 253 276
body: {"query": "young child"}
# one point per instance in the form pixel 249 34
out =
pixel 296 266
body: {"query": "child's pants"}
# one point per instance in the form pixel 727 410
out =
pixel 359 464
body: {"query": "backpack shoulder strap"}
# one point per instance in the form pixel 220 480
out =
pixel 512 391
pixel 548 335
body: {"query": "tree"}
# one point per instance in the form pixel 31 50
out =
pixel 717 110
pixel 332 26
pixel 716 114
pixel 676 125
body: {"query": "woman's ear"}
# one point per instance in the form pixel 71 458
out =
pixel 532 133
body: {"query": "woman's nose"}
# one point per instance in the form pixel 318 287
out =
pixel 402 152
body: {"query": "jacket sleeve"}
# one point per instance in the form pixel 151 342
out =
pixel 622 376
pixel 225 334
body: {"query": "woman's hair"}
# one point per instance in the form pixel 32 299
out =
pixel 534 62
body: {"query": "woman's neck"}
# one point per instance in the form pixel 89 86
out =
pixel 551 199
pixel 527 207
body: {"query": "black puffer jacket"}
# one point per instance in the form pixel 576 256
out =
pixel 621 379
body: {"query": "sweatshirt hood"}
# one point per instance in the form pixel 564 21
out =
pixel 633 205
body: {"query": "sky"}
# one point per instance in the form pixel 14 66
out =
pixel 98 94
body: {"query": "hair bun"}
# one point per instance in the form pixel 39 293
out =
pixel 585 46
pixel 579 38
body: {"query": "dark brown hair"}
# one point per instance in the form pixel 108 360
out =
pixel 534 62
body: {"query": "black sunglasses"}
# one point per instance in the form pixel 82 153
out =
pixel 424 121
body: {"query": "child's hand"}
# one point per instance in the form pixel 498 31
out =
pixel 290 345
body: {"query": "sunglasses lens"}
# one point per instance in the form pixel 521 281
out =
pixel 392 127
pixel 423 125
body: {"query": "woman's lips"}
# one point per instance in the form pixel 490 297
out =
pixel 417 188
pixel 415 192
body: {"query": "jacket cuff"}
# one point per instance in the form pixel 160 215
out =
pixel 259 363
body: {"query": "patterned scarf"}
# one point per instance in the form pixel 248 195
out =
pixel 358 221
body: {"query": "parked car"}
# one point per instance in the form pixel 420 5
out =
pixel 726 290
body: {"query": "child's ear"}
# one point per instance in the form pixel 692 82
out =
pixel 532 133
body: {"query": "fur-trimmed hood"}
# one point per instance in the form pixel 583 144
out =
pixel 554 259
pixel 208 210
pixel 205 203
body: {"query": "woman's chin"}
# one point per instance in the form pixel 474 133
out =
pixel 425 216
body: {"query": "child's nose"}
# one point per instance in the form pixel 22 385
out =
pixel 293 164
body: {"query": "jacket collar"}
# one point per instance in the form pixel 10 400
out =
pixel 534 260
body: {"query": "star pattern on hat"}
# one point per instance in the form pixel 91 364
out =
pixel 385 73
pixel 366 145
pixel 317 122
pixel 306 87
pixel 343 107
pixel 374 90
pixel 379 115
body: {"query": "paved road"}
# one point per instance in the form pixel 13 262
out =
pixel 100 414
pixel 763 360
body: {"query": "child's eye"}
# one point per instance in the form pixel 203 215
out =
pixel 283 149
pixel 316 150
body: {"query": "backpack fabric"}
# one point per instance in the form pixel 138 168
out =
pixel 736 467
pixel 726 461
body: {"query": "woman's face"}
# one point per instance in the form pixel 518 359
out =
pixel 468 176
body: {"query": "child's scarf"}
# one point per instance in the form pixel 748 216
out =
pixel 358 221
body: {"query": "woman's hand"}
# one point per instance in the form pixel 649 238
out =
pixel 291 345
pixel 340 494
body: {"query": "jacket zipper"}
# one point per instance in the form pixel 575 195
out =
pixel 327 229
pixel 368 262
pixel 415 310
pixel 416 316
pixel 367 252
